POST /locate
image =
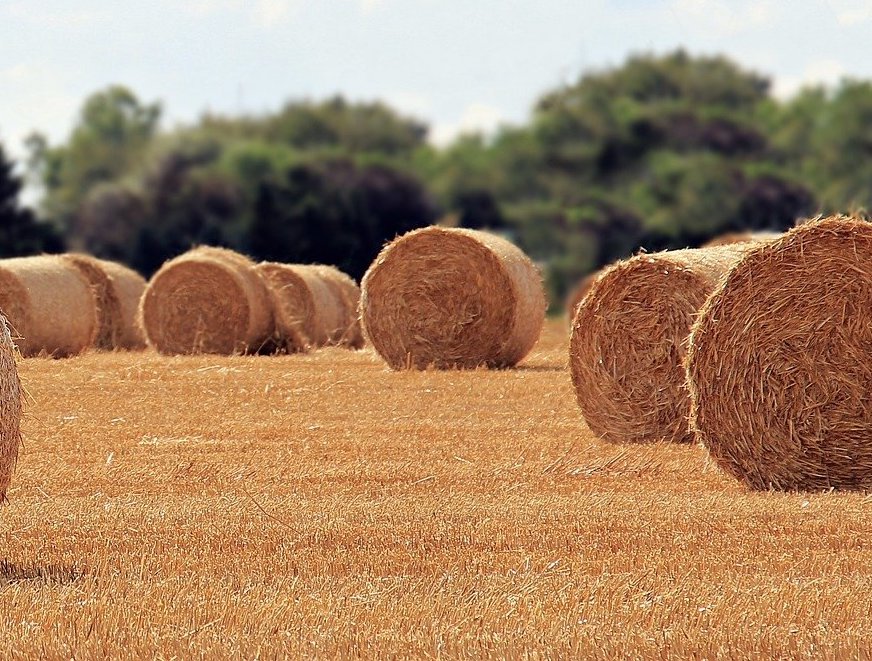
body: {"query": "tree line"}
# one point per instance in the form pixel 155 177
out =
pixel 664 151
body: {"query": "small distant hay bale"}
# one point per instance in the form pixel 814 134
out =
pixel 629 340
pixel 741 237
pixel 346 331
pixel 452 298
pixel 10 409
pixel 780 364
pixel 577 294
pixel 49 304
pixel 208 300
pixel 117 290
pixel 305 307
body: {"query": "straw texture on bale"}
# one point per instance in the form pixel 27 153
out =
pixel 629 340
pixel 208 300
pixel 347 331
pixel 741 237
pixel 10 409
pixel 305 307
pixel 577 294
pixel 780 365
pixel 452 298
pixel 117 290
pixel 129 287
pixel 49 304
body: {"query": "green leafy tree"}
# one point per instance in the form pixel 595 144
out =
pixel 108 143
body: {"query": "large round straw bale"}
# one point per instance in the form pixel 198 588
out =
pixel 741 237
pixel 577 294
pixel 129 287
pixel 49 304
pixel 208 300
pixel 304 305
pixel 345 290
pixel 780 364
pixel 10 408
pixel 452 298
pixel 629 340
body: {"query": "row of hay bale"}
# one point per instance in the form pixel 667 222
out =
pixel 59 305
pixel 209 300
pixel 435 297
pixel 214 300
pixel 761 351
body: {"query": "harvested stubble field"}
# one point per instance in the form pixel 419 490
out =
pixel 321 505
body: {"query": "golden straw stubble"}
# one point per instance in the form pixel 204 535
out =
pixel 208 300
pixel 780 365
pixel 629 339
pixel 452 298
pixel 10 408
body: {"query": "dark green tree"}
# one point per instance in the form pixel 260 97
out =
pixel 20 232
pixel 334 212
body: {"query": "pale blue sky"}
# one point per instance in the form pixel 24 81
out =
pixel 458 64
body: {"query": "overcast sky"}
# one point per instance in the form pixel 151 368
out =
pixel 458 64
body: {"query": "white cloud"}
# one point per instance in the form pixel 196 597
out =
pixel 410 103
pixel 821 72
pixel 476 118
pixel 722 17
pixel 852 12
pixel 266 13
pixel 272 12
pixel 369 6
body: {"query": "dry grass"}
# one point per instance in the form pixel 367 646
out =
pixel 321 505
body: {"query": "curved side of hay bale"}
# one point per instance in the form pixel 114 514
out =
pixel 452 298
pixel 779 363
pixel 345 329
pixel 109 318
pixel 577 294
pixel 49 304
pixel 629 340
pixel 296 293
pixel 129 287
pixel 10 409
pixel 207 300
pixel 741 237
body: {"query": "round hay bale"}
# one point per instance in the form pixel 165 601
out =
pixel 109 319
pixel 129 287
pixel 347 332
pixel 10 409
pixel 629 341
pixel 208 300
pixel 780 364
pixel 452 298
pixel 577 294
pixel 50 305
pixel 304 306
pixel 741 237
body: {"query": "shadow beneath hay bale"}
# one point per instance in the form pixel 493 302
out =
pixel 12 573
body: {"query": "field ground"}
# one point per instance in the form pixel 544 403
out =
pixel 320 505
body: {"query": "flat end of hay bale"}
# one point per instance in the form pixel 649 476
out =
pixel 452 298
pixel 208 300
pixel 629 339
pixel 778 367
